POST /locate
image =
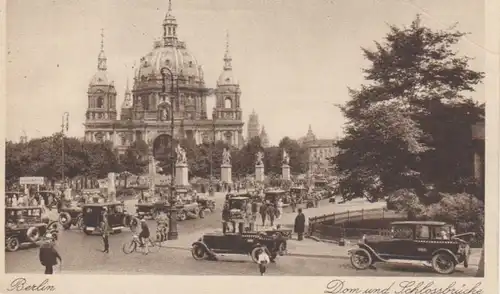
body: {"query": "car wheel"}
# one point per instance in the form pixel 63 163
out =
pixel 12 244
pixel 361 259
pixel 443 263
pixel 52 226
pixel 198 252
pixel 181 216
pixel 282 248
pixel 66 226
pixel 255 254
pixel 64 219
pixel 33 234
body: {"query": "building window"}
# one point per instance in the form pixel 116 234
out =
pixel 100 102
pixel 228 102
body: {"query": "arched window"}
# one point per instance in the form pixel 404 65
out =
pixel 100 102
pixel 228 102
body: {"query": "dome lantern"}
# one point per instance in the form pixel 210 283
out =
pixel 169 27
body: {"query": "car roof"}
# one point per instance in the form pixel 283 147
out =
pixel 428 223
pixel 102 204
pixel 274 192
pixel 22 207
pixel 238 198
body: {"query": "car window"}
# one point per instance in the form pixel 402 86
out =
pixel 441 233
pixel 423 232
pixel 402 232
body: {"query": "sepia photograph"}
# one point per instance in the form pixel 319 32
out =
pixel 321 138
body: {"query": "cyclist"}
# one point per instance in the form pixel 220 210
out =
pixel 162 225
pixel 144 234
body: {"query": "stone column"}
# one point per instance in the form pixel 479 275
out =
pixel 152 175
pixel 259 172
pixel 181 175
pixel 285 172
pixel 226 173
pixel 111 187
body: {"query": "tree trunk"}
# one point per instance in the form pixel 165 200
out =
pixel 480 270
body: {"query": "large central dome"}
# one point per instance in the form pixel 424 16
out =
pixel 171 53
pixel 175 57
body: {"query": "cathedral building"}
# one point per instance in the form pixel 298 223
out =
pixel 146 112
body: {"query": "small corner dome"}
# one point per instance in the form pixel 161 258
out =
pixel 100 79
pixel 227 78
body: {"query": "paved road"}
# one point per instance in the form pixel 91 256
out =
pixel 180 262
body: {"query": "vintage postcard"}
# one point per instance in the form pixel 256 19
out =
pixel 247 146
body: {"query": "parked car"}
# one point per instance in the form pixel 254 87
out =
pixel 298 193
pixel 433 243
pixel 274 195
pixel 24 225
pixel 118 218
pixel 188 209
pixel 249 243
pixel 206 204
pixel 71 216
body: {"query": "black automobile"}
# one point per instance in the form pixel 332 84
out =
pixel 249 243
pixel 118 218
pixel 24 226
pixel 426 242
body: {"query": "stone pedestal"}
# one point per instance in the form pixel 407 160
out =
pixel 285 172
pixel 226 173
pixel 111 187
pixel 181 175
pixel 259 173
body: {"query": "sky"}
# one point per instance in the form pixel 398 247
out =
pixel 294 59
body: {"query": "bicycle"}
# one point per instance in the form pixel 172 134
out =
pixel 135 243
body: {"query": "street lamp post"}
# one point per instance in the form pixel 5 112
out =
pixel 212 147
pixel 172 220
pixel 64 127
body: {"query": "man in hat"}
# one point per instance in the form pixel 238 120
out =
pixel 48 254
pixel 105 230
pixel 299 226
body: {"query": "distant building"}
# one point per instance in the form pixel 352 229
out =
pixel 319 151
pixel 253 126
pixel 264 139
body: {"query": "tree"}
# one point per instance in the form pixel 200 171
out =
pixel 299 157
pixel 135 159
pixel 394 130
pixel 244 160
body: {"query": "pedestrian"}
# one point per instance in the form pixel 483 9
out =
pixel 280 208
pixel 105 230
pixel 263 261
pixel 300 221
pixel 271 212
pixel 48 254
pixel 263 212
pixel 225 217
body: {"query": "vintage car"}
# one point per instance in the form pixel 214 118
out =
pixel 50 198
pixel 24 225
pixel 144 209
pixel 189 209
pixel 274 195
pixel 248 243
pixel 206 204
pixel 70 215
pixel 429 242
pixel 298 193
pixel 118 218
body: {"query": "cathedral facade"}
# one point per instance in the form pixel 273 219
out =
pixel 146 112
